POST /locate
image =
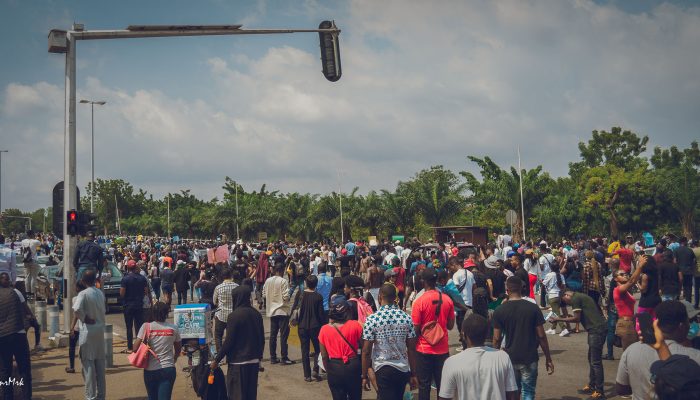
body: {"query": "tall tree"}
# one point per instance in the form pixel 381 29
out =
pixel 437 195
pixel 677 175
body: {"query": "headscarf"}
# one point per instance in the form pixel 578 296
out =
pixel 240 296
pixel 263 271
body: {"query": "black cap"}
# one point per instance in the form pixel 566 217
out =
pixel 678 371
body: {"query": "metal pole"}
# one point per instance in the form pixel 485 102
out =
pixel 70 200
pixel 92 182
pixel 238 236
pixel 1 151
pixel 53 320
pixel 109 341
pixel 522 201
pixel 41 314
pixel 168 215
pixel 340 193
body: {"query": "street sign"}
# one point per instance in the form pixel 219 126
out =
pixel 511 217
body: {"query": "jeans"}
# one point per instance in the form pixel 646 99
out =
pixel 133 316
pixel 156 288
pixel 669 296
pixel 595 360
pixel 94 377
pixel 307 337
pixel 391 383
pixel 15 346
pixel 242 381
pixel 72 344
pixel 345 380
pixel 219 328
pixel 526 379
pixel 697 291
pixel 610 338
pixel 279 324
pixel 429 369
pixel 293 285
pixel 159 383
pixel 181 297
pixel 688 287
pixel 82 269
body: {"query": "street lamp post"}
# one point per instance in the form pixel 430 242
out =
pixel 1 151
pixel 92 119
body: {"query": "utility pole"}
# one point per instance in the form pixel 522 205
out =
pixel 522 200
pixel 237 235
pixel 1 151
pixel 92 119
pixel 62 41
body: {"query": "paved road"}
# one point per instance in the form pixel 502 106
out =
pixel 125 382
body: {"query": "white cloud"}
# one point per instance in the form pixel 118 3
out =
pixel 424 83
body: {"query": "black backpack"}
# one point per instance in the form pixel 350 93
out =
pixel 27 255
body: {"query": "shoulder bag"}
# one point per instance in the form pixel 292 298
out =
pixel 139 358
pixel 432 332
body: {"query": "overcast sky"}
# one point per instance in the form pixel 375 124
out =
pixel 424 83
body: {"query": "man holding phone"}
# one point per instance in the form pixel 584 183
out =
pixel 586 312
pixel 633 372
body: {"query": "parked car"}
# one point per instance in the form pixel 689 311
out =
pixel 111 282
pixel 49 283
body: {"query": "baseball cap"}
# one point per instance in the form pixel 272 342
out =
pixel 390 272
pixel 344 251
pixel 131 263
pixel 677 372
pixel 529 251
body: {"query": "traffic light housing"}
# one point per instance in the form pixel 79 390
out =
pixel 86 222
pixel 73 226
pixel 330 51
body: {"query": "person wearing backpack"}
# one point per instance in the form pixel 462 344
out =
pixel 31 267
pixel 359 308
pixel 433 314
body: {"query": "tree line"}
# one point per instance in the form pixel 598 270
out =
pixel 614 188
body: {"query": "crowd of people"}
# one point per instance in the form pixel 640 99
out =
pixel 378 315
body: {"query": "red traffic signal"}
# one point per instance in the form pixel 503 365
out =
pixel 72 222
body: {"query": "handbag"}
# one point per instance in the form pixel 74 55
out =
pixel 432 332
pixel 139 358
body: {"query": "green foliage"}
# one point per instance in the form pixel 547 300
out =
pixel 613 188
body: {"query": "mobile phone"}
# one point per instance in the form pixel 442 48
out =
pixel 647 328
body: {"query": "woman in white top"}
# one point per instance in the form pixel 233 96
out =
pixel 164 339
pixel 530 265
pixel 554 283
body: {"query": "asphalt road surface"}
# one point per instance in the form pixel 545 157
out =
pixel 569 354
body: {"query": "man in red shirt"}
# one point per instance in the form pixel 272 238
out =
pixel 626 256
pixel 433 315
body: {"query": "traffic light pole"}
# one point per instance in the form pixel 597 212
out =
pixel 65 42
pixel 70 198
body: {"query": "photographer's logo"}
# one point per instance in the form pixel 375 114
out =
pixel 12 382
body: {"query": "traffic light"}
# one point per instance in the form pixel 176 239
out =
pixel 73 224
pixel 86 223
pixel 330 51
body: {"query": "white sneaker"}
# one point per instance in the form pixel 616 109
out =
pixel 564 333
pixel 550 332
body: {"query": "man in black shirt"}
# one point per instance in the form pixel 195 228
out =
pixel 133 289
pixel 686 263
pixel 670 277
pixel 523 324
pixel 88 255
pixel 243 346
